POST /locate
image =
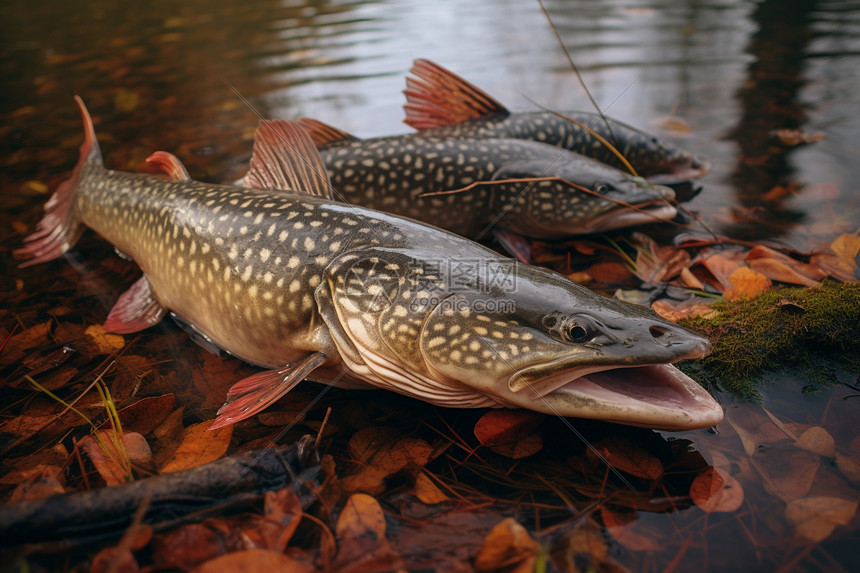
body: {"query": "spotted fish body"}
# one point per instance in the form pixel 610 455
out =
pixel 472 186
pixel 285 278
pixel 445 105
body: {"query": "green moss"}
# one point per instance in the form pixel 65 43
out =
pixel 812 330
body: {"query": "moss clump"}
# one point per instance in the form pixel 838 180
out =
pixel 813 330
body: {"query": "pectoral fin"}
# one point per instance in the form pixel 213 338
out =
pixel 515 245
pixel 136 310
pixel 256 393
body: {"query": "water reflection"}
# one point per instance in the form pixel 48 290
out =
pixel 770 100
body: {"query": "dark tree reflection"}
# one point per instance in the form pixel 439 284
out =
pixel 769 100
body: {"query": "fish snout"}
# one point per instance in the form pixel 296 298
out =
pixel 680 341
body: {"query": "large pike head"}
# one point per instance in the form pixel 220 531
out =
pixel 515 335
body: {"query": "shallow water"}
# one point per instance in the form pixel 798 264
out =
pixel 717 77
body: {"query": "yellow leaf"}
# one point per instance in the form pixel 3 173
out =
pixel 846 247
pixel 107 343
pixel 361 515
pixel 426 490
pixel 506 544
pixel 815 518
pixel 199 446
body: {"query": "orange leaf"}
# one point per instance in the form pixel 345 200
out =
pixel 199 446
pixel 146 414
pixel 721 265
pixel 510 433
pixel 746 283
pixel 107 343
pixel 815 518
pixel 112 464
pixel 254 560
pixel 506 544
pixel 714 490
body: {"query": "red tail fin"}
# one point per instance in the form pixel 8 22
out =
pixel 60 228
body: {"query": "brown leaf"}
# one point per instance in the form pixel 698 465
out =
pixel 817 440
pixel 23 341
pixel 187 547
pixel 623 527
pixel 114 560
pixel 779 267
pixel 746 283
pixel 508 543
pixel 850 467
pixel 510 432
pixel 608 273
pixel 199 446
pixel 815 518
pixel 655 263
pixel 788 475
pixel 284 513
pixel 146 414
pixel 39 484
pixel 255 561
pixel 715 490
pixel 388 459
pixel 625 456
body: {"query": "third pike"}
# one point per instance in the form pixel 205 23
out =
pixel 442 104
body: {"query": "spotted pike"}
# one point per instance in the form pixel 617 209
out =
pixel 287 279
pixel 445 105
pixel 473 186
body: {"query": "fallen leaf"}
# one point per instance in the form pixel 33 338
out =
pixel 254 561
pixel 427 491
pixel 779 267
pixel 715 490
pixel 107 343
pixel 746 283
pixel 17 345
pixel 510 432
pixel 283 513
pixel 608 273
pixel 146 414
pixel 815 518
pixel 199 446
pixel 113 460
pixel 387 460
pixel 817 440
pixel 793 137
pixel 626 456
pixel 361 516
pixel 847 247
pixel 114 560
pixel 675 311
pixel 38 484
pixel 623 527
pixel 849 467
pixel 788 474
pixel 186 547
pixel 506 544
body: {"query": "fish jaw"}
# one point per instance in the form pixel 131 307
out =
pixel 657 396
pixel 642 214
pixel 681 168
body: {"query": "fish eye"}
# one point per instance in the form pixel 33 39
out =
pixel 578 330
pixel 601 188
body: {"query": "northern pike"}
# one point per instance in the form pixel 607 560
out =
pixel 444 105
pixel 473 186
pixel 283 277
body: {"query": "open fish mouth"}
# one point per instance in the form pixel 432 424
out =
pixel 655 396
pixel 655 212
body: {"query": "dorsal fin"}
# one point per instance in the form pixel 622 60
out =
pixel 286 159
pixel 168 164
pixel 323 133
pixel 437 97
